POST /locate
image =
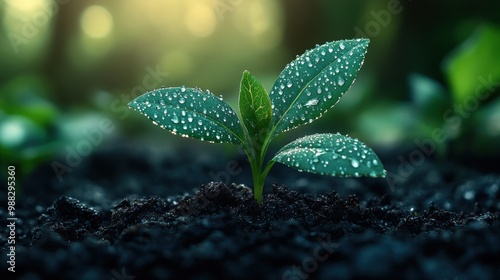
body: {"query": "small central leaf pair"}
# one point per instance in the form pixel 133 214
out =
pixel 255 107
pixel 305 89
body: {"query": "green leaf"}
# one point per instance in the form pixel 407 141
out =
pixel 331 154
pixel 191 112
pixel 472 68
pixel 429 98
pixel 255 106
pixel 314 82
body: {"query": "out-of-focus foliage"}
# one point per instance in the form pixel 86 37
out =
pixel 473 75
pixel 430 101
pixel 32 128
pixel 26 123
pixel 487 135
pixel 474 66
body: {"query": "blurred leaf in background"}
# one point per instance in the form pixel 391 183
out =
pixel 474 76
pixel 473 67
pixel 27 123
pixel 33 130
pixel 487 130
pixel 430 101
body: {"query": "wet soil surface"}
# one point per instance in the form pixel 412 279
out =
pixel 141 215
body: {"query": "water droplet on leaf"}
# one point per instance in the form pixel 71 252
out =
pixel 312 102
pixel 341 81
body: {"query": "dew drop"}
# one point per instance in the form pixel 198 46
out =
pixel 289 84
pixel 182 100
pixel 312 102
pixel 175 119
pixel 342 46
pixel 318 153
pixel 354 163
pixel 341 81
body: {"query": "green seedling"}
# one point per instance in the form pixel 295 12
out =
pixel 305 89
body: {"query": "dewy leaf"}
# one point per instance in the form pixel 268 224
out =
pixel 314 82
pixel 255 106
pixel 331 154
pixel 192 113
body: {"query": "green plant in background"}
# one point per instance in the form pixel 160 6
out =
pixel 305 89
pixel 472 72
pixel 27 124
pixel 34 130
pixel 473 76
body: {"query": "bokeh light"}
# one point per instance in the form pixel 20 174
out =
pixel 12 132
pixel 200 19
pixel 96 22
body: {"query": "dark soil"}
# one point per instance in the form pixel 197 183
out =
pixel 141 215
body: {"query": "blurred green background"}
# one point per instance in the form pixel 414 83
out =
pixel 68 68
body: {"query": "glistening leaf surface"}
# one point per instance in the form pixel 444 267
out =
pixel 191 112
pixel 314 82
pixel 331 154
pixel 255 106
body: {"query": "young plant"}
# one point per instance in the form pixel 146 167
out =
pixel 305 89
